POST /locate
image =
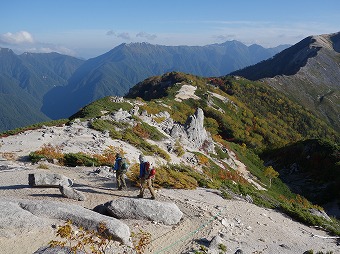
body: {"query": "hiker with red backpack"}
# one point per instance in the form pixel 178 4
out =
pixel 146 176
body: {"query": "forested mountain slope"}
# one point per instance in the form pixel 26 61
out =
pixel 308 72
pixel 114 72
pixel 24 80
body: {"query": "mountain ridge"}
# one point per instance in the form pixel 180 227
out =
pixel 114 72
pixel 24 79
pixel 308 72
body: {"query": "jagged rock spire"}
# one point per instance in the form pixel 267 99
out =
pixel 195 130
pixel 193 133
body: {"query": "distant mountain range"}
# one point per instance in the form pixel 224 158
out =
pixel 38 87
pixel 24 80
pixel 308 72
pixel 116 71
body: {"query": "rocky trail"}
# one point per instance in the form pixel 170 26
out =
pixel 235 224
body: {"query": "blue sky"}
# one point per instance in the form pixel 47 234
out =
pixel 88 28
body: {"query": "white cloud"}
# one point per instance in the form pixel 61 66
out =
pixel 125 36
pixel 110 33
pixel 146 36
pixel 20 37
pixel 48 48
pixel 267 34
pixel 225 37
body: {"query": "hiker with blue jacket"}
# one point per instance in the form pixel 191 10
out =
pixel 146 176
pixel 120 167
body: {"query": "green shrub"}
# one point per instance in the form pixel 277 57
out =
pixel 96 108
pixel 35 157
pixel 43 166
pixel 303 215
pixel 132 138
pixel 178 149
pixel 82 240
pixel 48 152
pixel 168 177
pixel 220 153
pixel 181 111
pixel 155 150
pixel 105 125
pixel 222 247
pixel 79 159
pixel 226 195
pixel 211 125
pixel 154 133
pixel 146 131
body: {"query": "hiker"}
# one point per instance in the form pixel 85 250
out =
pixel 146 177
pixel 120 167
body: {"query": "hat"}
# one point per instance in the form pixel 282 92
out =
pixel 142 158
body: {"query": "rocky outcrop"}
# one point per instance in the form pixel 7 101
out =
pixel 40 213
pixel 48 180
pixel 121 115
pixel 167 124
pixel 103 171
pixel 14 219
pixel 320 213
pixel 217 245
pixel 193 132
pixel 194 129
pixel 69 192
pixel 5 166
pixel 143 209
pixel 177 132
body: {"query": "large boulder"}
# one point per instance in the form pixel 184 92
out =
pixel 42 211
pixel 48 180
pixel 14 219
pixel 69 192
pixel 144 209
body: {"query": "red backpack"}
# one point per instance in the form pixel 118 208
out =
pixel 149 172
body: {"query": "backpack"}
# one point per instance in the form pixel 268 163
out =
pixel 149 172
pixel 123 165
pixel 152 173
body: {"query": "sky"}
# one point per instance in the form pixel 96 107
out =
pixel 88 28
